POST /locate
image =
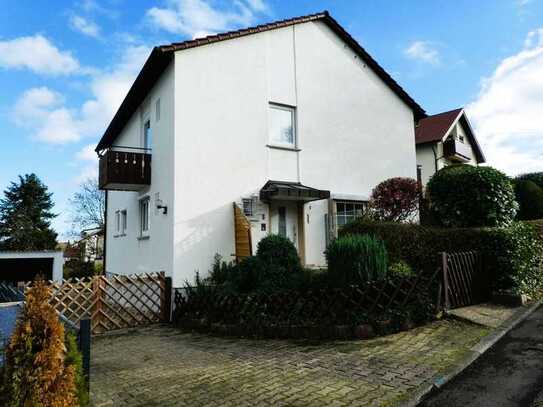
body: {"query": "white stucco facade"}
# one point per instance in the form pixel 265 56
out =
pixel 431 158
pixel 211 146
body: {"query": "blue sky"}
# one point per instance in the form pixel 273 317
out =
pixel 66 65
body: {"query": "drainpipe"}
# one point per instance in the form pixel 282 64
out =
pixel 435 158
pixel 105 234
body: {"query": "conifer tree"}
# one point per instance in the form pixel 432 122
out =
pixel 25 216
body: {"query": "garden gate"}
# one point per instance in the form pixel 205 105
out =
pixel 465 281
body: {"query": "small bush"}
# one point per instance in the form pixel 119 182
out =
pixel 279 251
pixel 530 199
pixel 75 268
pixel 401 269
pixel 35 371
pixel 356 260
pixel 75 359
pixel 535 177
pixel 396 200
pixel 468 196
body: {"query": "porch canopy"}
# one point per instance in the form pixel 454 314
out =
pixel 291 191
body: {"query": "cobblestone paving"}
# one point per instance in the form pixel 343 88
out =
pixel 162 366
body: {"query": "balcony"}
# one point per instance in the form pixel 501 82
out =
pixel 455 150
pixel 123 170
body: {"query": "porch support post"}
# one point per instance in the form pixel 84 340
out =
pixel 301 232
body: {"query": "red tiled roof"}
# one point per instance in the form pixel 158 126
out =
pixel 161 56
pixel 433 128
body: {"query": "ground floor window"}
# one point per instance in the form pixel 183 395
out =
pixel 347 211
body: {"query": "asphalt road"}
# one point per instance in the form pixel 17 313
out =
pixel 509 374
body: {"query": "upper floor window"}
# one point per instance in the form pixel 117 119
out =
pixel 282 125
pixel 157 110
pixel 147 135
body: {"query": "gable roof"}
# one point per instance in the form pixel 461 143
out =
pixel 434 128
pixel 162 55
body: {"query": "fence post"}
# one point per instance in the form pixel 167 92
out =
pixel 85 345
pixel 445 269
pixel 97 285
pixel 166 299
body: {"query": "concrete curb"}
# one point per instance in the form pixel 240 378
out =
pixel 473 354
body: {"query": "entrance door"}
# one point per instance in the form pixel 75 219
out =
pixel 284 220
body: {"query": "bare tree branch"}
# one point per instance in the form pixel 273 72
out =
pixel 87 207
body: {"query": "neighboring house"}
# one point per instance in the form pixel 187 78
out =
pixel 283 128
pixel 92 244
pixel 444 139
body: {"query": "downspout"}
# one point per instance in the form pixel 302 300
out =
pixel 435 158
pixel 105 233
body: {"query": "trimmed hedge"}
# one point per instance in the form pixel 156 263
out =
pixel 536 177
pixel 530 199
pixel 468 196
pixel 511 255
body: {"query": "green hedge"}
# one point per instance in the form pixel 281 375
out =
pixel 511 255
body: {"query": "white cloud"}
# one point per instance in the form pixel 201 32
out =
pixel 507 111
pixel 423 51
pixel 196 18
pixel 37 54
pixel 87 153
pixel 43 111
pixel 85 26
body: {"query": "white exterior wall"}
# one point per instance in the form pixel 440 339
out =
pixel 427 159
pixel 353 132
pixel 129 254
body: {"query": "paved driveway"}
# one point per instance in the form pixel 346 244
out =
pixel 162 366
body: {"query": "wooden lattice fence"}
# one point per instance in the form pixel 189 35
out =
pixel 465 280
pixel 414 297
pixel 114 302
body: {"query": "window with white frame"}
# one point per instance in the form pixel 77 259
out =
pixel 347 211
pixel 282 125
pixel 144 216
pixel 248 207
pixel 147 135
pixel 120 222
pixel 123 222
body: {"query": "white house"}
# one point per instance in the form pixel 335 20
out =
pixel 443 139
pixel 282 128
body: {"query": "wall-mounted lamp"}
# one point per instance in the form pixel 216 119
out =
pixel 160 204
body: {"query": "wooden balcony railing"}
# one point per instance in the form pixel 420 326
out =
pixel 456 151
pixel 121 170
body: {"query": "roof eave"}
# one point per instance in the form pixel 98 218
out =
pixel 154 66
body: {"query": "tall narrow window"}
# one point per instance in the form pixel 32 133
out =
pixel 144 216
pixel 147 135
pixel 157 110
pixel 118 222
pixel 282 221
pixel 123 222
pixel 282 126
